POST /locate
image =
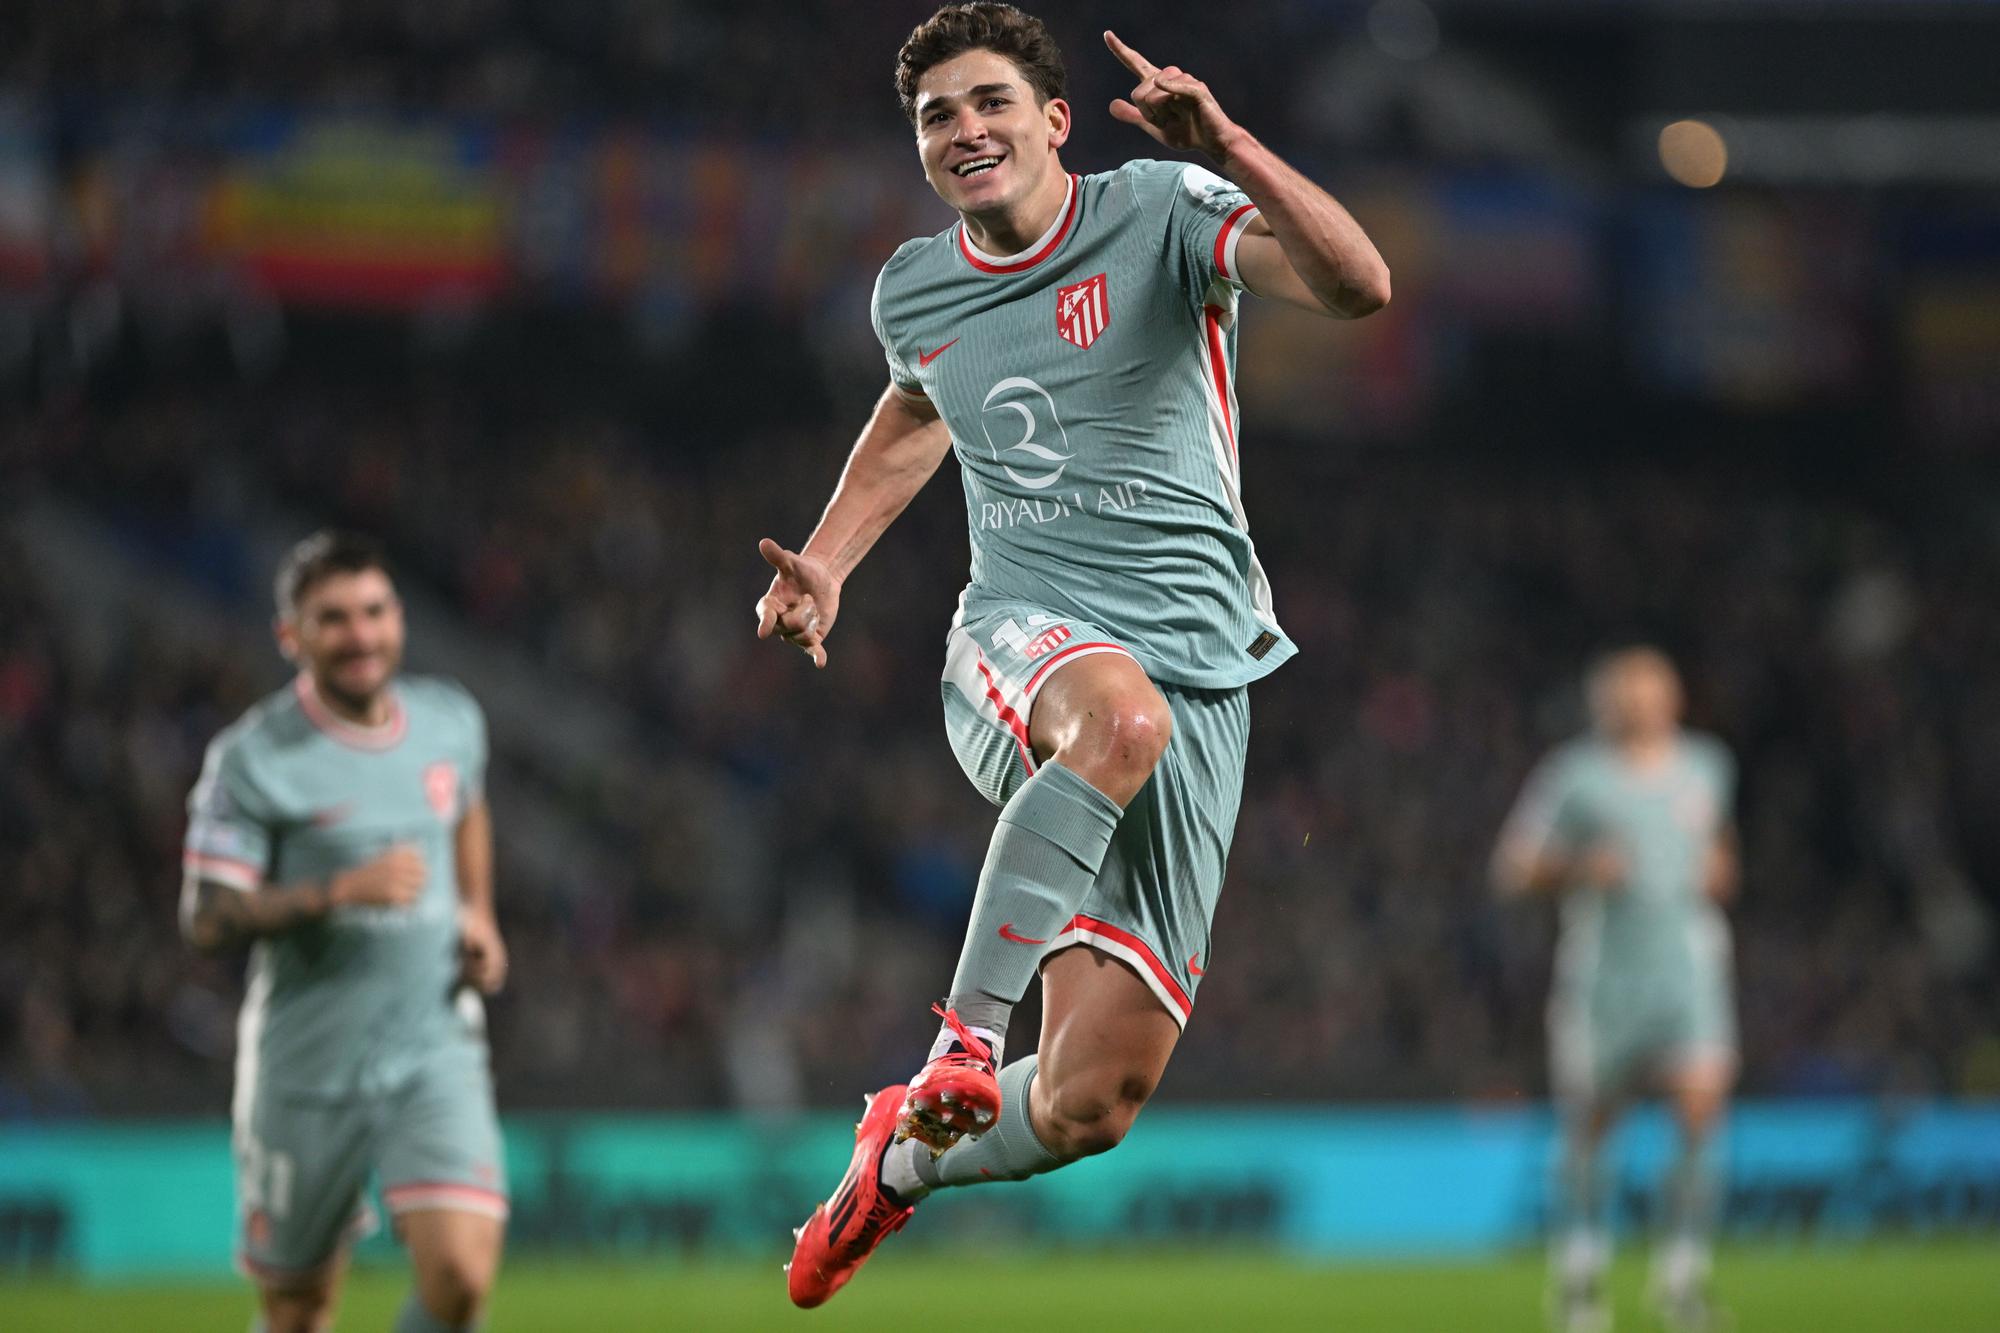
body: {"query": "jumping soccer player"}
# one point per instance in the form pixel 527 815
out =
pixel 1072 339
pixel 1632 828
pixel 341 829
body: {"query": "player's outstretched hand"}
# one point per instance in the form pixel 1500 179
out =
pixel 393 879
pixel 482 954
pixel 802 602
pixel 1173 106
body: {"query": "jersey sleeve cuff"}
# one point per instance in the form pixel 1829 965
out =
pixel 908 394
pixel 224 870
pixel 1226 241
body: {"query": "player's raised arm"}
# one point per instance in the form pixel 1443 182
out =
pixel 899 449
pixel 1304 249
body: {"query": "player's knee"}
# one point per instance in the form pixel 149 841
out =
pixel 1120 742
pixel 454 1284
pixel 1092 1114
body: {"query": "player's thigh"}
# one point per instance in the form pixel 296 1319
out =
pixel 1696 1070
pixel 1106 1039
pixel 301 1179
pixel 440 1149
pixel 998 660
pixel 455 1255
pixel 1593 1054
pixel 1153 901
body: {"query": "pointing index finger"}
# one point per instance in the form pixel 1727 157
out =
pixel 1131 59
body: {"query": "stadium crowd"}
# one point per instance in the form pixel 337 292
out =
pixel 747 901
pixel 747 897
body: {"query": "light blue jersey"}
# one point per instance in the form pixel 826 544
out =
pixel 352 1004
pixel 1089 386
pixel 1643 971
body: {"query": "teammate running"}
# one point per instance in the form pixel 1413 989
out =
pixel 341 828
pixel 1631 827
pixel 1072 339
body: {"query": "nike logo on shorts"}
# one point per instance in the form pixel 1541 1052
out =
pixel 1007 933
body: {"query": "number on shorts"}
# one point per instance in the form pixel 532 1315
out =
pixel 267 1178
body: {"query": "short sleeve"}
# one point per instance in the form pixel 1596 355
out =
pixel 1723 765
pixel 900 374
pixel 229 829
pixel 475 763
pixel 1548 813
pixel 1205 218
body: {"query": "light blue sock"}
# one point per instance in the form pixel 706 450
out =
pixel 1045 854
pixel 1008 1151
pixel 1582 1228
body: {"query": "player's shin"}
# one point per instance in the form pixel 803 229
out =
pixel 1045 854
pixel 1582 1237
pixel 416 1318
pixel 1692 1194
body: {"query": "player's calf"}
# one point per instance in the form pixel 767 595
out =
pixel 1089 1111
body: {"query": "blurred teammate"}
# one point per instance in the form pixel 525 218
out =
pixel 1073 338
pixel 1631 827
pixel 340 828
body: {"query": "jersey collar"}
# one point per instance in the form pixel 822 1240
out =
pixel 1047 245
pixel 385 736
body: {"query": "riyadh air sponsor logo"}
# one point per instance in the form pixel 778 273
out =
pixel 1083 310
pixel 1041 466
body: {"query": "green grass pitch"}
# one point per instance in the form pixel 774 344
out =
pixel 1943 1287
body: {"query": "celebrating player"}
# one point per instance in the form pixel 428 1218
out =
pixel 1072 339
pixel 341 829
pixel 1632 828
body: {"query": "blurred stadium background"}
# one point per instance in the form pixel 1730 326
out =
pixel 1696 338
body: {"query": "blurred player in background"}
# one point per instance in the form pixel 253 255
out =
pixel 1630 826
pixel 1074 338
pixel 340 828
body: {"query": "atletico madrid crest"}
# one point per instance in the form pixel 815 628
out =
pixel 441 788
pixel 1083 310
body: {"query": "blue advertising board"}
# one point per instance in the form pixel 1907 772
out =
pixel 107 1201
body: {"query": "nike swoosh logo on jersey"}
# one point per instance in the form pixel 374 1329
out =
pixel 1007 933
pixel 1193 965
pixel 925 358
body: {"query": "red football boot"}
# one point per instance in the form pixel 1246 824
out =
pixel 952 1096
pixel 842 1232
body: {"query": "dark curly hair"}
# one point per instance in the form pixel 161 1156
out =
pixel 1001 29
pixel 319 557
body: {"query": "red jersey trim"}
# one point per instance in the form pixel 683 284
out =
pixel 1048 248
pixel 1008 717
pixel 1225 240
pixel 385 737
pixel 1073 650
pixel 1090 927
pixel 1218 363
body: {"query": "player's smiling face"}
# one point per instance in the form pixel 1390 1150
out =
pixel 987 144
pixel 348 633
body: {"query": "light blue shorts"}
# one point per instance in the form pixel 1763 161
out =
pixel 1154 897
